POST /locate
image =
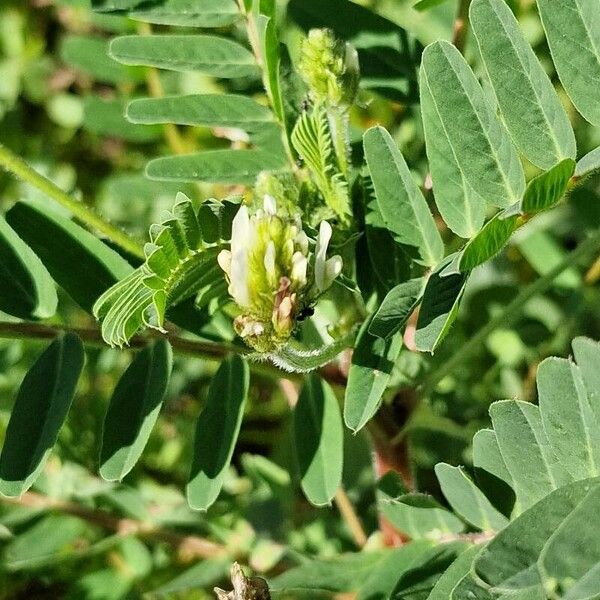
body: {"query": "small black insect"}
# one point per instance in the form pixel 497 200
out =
pixel 305 313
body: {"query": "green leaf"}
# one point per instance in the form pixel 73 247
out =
pixel 396 308
pixel 573 550
pixel 341 574
pixel 439 308
pixel 106 117
pixel 46 542
pixel 588 164
pixel 545 190
pixel 187 13
pixel 26 288
pixel 90 55
pixel 217 431
pixel 79 262
pixel 587 355
pixel 567 417
pixel 467 500
pixel 41 406
pixel 319 438
pixel 211 110
pixel 525 95
pixel 388 55
pixel 573 35
pixel 421 578
pixel 472 159
pixel 452 577
pixel 488 242
pixel 215 166
pixel 373 360
pixel 213 55
pixel 385 575
pixel 501 566
pixel 201 575
pixel 415 515
pixel 423 5
pixel 534 468
pixel 133 410
pixel 401 204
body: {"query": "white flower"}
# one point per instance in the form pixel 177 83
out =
pixel 325 270
pixel 269 272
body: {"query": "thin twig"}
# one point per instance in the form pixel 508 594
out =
pixel 186 546
pixel 18 167
pixel 509 314
pixel 350 517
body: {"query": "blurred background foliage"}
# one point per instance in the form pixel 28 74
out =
pixel 61 108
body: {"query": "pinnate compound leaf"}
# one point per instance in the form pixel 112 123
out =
pixel 217 430
pixel 439 308
pixel 133 410
pixel 472 159
pixel 467 499
pixel 396 308
pixel 319 440
pixel 545 190
pixel 26 288
pixel 372 364
pixel 213 55
pixel 400 201
pixel 526 98
pixel 78 261
pixel 573 31
pixel 39 411
pixel 212 110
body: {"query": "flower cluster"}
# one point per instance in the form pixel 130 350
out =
pixel 273 273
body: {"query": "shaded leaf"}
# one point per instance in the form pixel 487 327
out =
pixel 217 430
pixel 133 410
pixel 318 435
pixel 439 307
pixel 373 360
pixel 26 288
pixel 187 13
pixel 79 262
pixel 396 308
pixel 588 164
pixel 39 411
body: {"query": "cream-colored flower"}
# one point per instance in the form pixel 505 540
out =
pixel 272 273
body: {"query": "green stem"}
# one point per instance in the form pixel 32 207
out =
pixel 18 167
pixel 509 314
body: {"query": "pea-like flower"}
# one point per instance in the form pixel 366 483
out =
pixel 273 274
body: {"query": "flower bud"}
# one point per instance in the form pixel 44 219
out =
pixel 330 68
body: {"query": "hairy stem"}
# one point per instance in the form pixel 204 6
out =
pixel 350 517
pixel 510 313
pixel 18 167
